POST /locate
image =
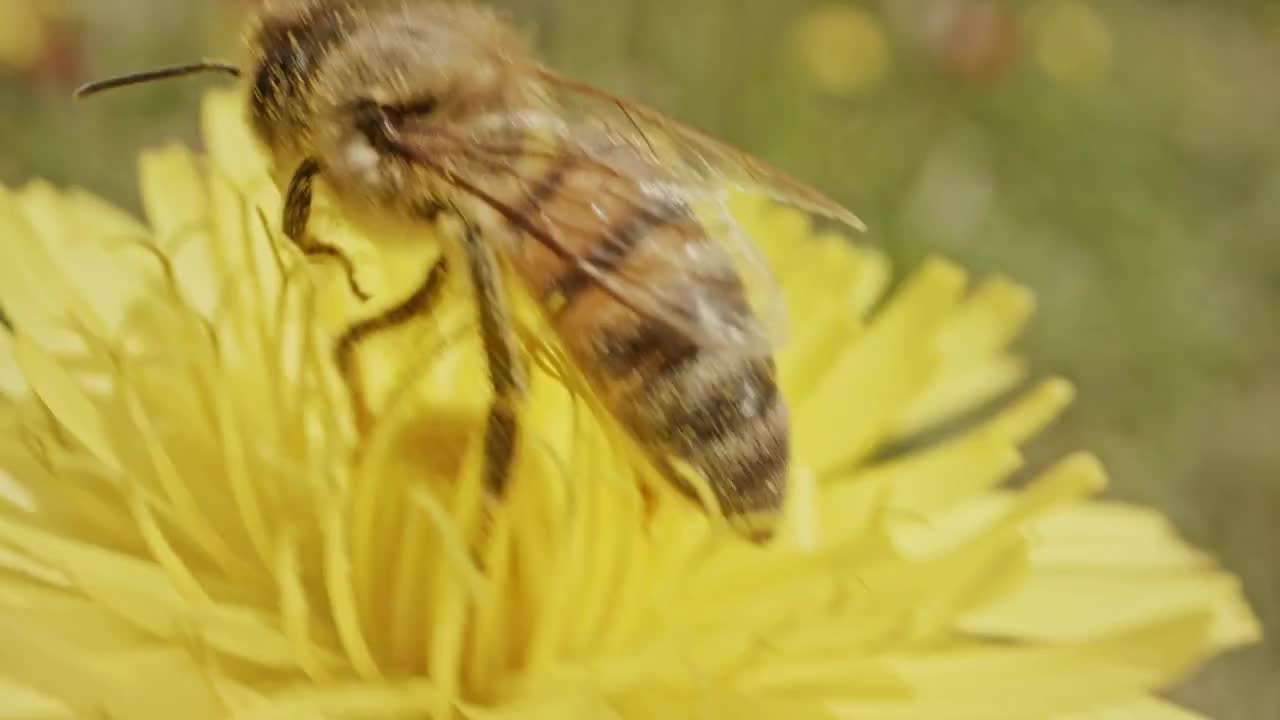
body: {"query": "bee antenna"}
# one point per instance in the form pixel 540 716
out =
pixel 163 73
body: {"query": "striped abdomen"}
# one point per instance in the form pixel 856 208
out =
pixel 714 407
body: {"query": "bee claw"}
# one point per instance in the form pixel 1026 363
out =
pixel 358 291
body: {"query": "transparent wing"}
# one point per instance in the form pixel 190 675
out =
pixel 662 243
pixel 695 157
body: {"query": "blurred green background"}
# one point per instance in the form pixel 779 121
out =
pixel 1120 157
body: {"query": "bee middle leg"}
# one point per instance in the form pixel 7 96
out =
pixel 506 369
pixel 297 214
pixel 498 337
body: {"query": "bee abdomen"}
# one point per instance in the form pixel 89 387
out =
pixel 716 409
pixel 721 413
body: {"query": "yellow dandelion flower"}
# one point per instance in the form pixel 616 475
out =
pixel 194 526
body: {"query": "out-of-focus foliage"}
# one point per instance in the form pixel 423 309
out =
pixel 1120 158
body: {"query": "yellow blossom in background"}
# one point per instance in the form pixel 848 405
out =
pixel 195 527
pixel 843 48
pixel 1073 43
pixel 23 29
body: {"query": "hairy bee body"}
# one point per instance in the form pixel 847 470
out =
pixel 393 109
pixel 716 408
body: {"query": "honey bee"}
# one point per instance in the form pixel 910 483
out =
pixel 611 216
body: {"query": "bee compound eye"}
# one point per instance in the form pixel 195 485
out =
pixel 292 44
pixel 374 121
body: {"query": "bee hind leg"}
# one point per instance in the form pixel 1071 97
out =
pixel 297 213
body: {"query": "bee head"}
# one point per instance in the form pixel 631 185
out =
pixel 289 42
pixel 312 59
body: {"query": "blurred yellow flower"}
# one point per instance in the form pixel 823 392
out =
pixel 193 526
pixel 1073 43
pixel 843 48
pixel 23 29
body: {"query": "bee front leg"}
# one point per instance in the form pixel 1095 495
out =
pixel 297 213
pixel 506 370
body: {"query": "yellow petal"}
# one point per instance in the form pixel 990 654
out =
pixel 1086 604
pixel 66 399
pixel 19 702
pixel 1043 681
pixel 233 151
pixel 975 461
pixel 130 680
pixel 12 381
pixel 1146 708
pixel 140 593
pixel 173 195
pixel 869 385
pixel 33 288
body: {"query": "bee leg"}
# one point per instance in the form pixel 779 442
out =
pixel 297 212
pixel 417 304
pixel 506 371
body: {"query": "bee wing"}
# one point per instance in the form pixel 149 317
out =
pixel 715 289
pixel 696 157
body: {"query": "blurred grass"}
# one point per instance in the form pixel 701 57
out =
pixel 1120 158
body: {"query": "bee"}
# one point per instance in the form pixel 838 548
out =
pixel 609 214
